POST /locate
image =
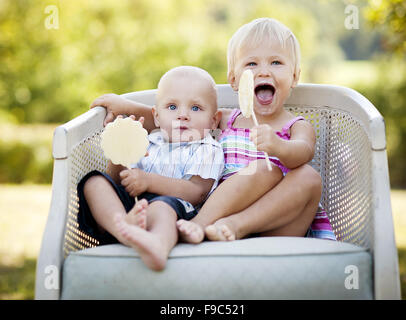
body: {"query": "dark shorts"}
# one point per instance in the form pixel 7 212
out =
pixel 183 209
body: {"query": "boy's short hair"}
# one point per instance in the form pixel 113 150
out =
pixel 193 71
pixel 190 70
pixel 254 32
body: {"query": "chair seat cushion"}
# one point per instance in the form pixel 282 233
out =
pixel 254 268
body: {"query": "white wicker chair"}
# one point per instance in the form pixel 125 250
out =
pixel 351 158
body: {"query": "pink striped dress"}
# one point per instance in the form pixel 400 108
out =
pixel 239 151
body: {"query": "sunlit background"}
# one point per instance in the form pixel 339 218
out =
pixel 57 56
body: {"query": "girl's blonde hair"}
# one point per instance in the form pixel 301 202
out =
pixel 255 33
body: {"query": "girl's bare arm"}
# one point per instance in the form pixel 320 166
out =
pixel 292 153
pixel 301 146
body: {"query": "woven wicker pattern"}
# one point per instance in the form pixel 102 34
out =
pixel 85 157
pixel 343 158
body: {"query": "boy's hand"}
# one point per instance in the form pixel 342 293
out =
pixel 132 117
pixel 112 102
pixel 264 138
pixel 135 181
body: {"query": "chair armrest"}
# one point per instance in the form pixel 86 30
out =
pixel 50 259
pixel 347 100
pixel 383 247
pixel 386 265
pixel 74 131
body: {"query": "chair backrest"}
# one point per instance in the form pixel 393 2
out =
pixel 343 158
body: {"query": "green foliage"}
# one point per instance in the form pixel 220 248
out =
pixel 390 16
pixel 388 95
pixel 391 102
pixel 19 163
pixel 25 153
pixel 52 75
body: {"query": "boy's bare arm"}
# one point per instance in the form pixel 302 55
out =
pixel 194 190
pixel 117 105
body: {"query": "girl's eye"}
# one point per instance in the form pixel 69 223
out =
pixel 251 64
pixel 172 107
pixel 195 108
pixel 276 62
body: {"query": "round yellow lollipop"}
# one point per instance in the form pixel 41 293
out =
pixel 246 100
pixel 246 94
pixel 124 142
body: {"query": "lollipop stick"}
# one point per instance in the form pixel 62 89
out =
pixel 254 117
pixel 268 162
pixel 124 141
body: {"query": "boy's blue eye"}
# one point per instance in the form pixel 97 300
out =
pixel 251 64
pixel 195 108
pixel 172 107
pixel 276 62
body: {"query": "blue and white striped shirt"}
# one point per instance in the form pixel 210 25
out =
pixel 182 160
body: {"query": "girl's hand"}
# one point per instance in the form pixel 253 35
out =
pixel 135 181
pixel 113 103
pixel 265 139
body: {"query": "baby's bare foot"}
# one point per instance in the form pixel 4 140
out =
pixel 138 214
pixel 219 231
pixel 189 231
pixel 149 246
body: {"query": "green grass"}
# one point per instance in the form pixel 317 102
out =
pixel 17 282
pixel 23 213
pixel 402 271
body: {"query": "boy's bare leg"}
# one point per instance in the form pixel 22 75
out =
pixel 105 205
pixel 233 195
pixel 155 243
pixel 286 210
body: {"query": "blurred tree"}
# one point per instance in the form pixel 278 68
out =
pixel 52 74
pixel 57 56
pixel 390 17
pixel 29 71
pixel 389 93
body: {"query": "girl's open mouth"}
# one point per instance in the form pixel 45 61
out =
pixel 264 93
